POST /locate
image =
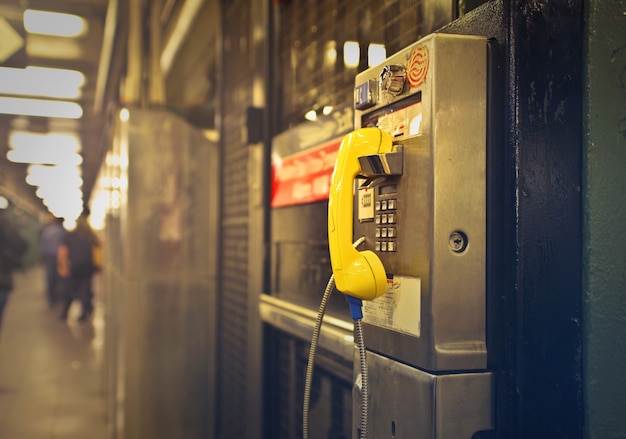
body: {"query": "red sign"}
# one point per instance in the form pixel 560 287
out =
pixel 304 177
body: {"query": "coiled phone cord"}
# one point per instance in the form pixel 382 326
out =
pixel 311 361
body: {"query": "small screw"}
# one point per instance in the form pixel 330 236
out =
pixel 457 242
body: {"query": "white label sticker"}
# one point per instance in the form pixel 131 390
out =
pixel 403 122
pixel 366 204
pixel 399 308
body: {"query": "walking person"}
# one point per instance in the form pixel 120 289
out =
pixel 49 241
pixel 12 249
pixel 76 267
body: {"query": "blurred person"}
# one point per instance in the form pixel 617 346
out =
pixel 76 267
pixel 12 249
pixel 49 240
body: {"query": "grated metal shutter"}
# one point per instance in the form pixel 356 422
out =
pixel 233 315
pixel 309 29
pixel 331 392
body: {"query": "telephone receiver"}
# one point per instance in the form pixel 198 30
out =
pixel 357 274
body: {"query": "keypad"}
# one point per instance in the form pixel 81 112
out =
pixel 385 220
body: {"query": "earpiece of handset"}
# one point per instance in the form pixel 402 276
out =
pixel 357 274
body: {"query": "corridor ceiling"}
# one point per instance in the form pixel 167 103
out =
pixel 189 34
pixel 85 54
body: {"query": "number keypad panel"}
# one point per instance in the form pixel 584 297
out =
pixel 386 218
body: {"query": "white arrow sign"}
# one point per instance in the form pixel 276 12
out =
pixel 11 40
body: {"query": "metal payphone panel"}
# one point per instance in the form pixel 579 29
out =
pixel 411 403
pixel 428 225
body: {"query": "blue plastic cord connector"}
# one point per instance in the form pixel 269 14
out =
pixel 356 307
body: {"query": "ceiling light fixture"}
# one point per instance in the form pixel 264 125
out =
pixel 53 23
pixel 42 81
pixel 40 107
pixel 311 115
pixel 42 175
pixel 59 187
pixel 376 54
pixel 351 54
pixel 45 149
pixel 69 142
pixel 44 156
pixel 188 13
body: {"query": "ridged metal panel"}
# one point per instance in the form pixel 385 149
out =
pixel 233 315
pixel 285 414
pixel 331 395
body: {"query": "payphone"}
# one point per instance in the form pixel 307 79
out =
pixel 412 180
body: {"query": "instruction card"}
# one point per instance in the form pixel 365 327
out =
pixel 399 308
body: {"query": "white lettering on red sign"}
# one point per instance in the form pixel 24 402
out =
pixel 304 177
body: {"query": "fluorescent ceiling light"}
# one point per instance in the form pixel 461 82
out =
pixel 50 179
pixel 53 23
pixel 376 54
pixel 43 156
pixel 68 142
pixel 42 175
pixel 311 115
pixel 330 57
pixel 188 13
pixel 40 107
pixel 42 81
pixel 59 189
pixel 50 149
pixel 65 203
pixel 59 194
pixel 351 54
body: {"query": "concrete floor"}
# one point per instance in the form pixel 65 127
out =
pixel 51 377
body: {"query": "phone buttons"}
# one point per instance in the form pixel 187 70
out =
pixel 386 216
pixel 385 246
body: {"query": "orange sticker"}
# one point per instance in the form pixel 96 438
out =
pixel 417 68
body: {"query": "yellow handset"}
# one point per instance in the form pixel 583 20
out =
pixel 357 274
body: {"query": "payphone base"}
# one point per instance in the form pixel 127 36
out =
pixel 408 402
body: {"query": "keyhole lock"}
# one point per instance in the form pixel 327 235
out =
pixel 457 242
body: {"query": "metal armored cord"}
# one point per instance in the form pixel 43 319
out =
pixel 314 339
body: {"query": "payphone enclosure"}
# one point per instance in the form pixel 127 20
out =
pixel 427 335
